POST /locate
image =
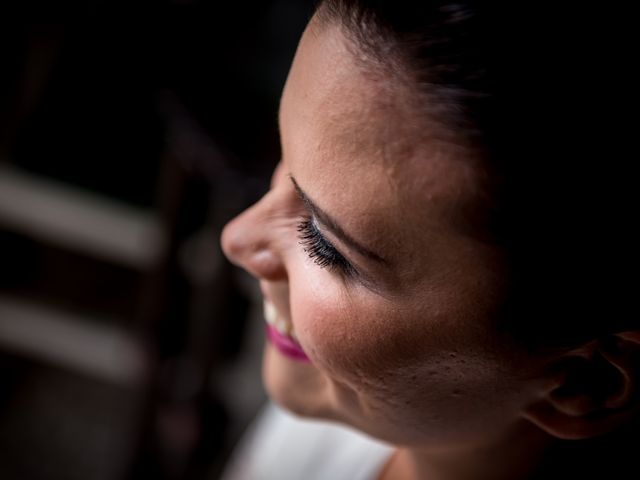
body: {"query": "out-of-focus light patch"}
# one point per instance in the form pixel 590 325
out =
pixel 78 220
pixel 80 344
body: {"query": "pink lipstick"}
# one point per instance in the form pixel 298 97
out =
pixel 280 334
pixel 286 345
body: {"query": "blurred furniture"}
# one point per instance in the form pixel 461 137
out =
pixel 130 133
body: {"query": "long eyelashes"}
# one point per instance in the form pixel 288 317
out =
pixel 320 250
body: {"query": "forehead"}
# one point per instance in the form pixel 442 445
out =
pixel 355 142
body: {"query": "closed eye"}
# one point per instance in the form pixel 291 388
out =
pixel 320 250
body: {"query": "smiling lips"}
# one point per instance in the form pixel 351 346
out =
pixel 280 334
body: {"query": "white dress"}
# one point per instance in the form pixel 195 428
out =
pixel 280 446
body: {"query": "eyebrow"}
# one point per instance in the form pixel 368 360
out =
pixel 334 226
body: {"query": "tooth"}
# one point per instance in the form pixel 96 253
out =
pixel 282 326
pixel 270 313
pixel 271 316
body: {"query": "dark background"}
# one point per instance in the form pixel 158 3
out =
pixel 130 132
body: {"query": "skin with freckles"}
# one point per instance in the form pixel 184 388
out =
pixel 407 348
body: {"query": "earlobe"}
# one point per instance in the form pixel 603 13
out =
pixel 596 391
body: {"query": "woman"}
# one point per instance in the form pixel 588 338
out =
pixel 422 249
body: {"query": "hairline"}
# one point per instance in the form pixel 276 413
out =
pixel 380 55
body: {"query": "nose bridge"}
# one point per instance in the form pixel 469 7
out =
pixel 248 242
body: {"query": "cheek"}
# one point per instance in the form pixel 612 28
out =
pixel 368 342
pixel 354 335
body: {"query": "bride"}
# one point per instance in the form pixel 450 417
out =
pixel 438 276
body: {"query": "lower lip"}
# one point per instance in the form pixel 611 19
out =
pixel 286 345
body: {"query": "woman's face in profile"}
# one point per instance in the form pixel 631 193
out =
pixel 366 254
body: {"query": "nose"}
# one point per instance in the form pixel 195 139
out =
pixel 248 242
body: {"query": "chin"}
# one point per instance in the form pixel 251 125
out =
pixel 299 388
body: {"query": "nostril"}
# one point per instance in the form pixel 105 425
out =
pixel 265 264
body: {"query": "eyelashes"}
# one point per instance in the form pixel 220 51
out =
pixel 320 250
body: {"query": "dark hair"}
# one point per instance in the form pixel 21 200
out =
pixel 536 90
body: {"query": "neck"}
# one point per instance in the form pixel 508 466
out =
pixel 515 455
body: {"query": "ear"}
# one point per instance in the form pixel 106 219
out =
pixel 594 389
